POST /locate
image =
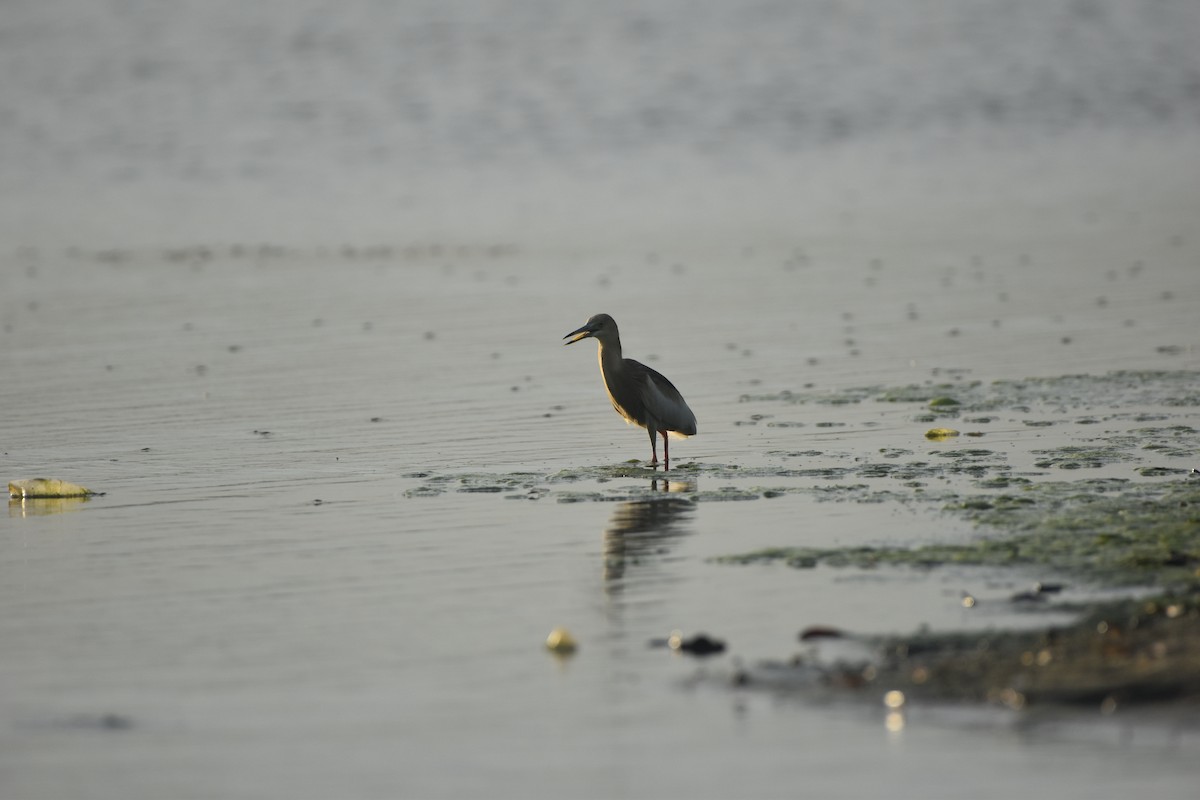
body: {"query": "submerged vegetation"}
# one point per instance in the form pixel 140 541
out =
pixel 1107 497
pixel 1122 532
pixel 1112 532
pixel 1141 529
pixel 1122 389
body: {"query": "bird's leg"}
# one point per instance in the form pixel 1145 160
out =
pixel 653 448
pixel 666 452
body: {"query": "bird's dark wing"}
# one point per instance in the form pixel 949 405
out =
pixel 663 401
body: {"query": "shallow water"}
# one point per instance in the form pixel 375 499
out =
pixel 266 587
pixel 352 478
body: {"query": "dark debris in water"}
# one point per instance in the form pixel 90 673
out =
pixel 700 645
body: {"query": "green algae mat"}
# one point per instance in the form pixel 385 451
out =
pixel 1107 492
pixel 1138 530
pixel 1042 505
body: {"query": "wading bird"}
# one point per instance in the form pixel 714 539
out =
pixel 639 394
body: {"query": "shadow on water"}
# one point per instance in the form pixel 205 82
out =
pixel 645 528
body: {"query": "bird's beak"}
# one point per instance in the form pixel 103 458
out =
pixel 576 335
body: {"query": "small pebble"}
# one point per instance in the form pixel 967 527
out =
pixel 561 642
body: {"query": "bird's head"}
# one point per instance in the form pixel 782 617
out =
pixel 601 326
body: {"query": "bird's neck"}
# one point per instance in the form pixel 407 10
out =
pixel 610 358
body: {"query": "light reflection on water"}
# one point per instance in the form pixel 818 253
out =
pixel 39 506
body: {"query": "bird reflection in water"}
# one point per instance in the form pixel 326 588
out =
pixel 643 529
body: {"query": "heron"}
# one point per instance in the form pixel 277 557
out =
pixel 640 394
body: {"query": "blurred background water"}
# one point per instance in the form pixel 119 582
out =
pixel 148 121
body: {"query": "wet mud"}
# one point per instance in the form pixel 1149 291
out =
pixel 1136 651
pixel 1144 651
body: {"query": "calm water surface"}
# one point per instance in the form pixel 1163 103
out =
pixel 263 601
pixel 269 601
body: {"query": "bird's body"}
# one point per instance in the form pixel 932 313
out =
pixel 641 395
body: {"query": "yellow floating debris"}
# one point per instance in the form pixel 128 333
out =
pixel 46 487
pixel 941 433
pixel 561 641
